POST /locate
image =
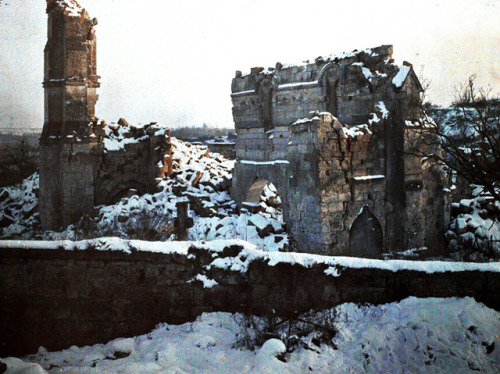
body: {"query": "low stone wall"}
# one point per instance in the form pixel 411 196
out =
pixel 228 150
pixel 64 294
pixel 57 298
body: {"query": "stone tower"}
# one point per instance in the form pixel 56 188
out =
pixel 70 84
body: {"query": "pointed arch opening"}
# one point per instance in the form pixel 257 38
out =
pixel 366 238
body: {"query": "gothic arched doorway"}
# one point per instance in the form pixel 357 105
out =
pixel 366 238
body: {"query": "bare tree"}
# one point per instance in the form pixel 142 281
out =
pixel 471 145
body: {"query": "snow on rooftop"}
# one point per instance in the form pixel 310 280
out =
pixel 400 77
pixel 326 58
pixel 353 53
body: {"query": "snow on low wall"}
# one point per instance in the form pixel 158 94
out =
pixel 57 294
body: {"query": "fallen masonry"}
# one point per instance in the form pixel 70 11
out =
pixel 329 135
pixel 89 292
pixel 210 206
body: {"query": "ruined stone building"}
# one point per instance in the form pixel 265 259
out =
pixel 84 162
pixel 331 136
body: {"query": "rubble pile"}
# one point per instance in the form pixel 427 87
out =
pixel 19 209
pixel 474 233
pixel 270 202
pixel 198 176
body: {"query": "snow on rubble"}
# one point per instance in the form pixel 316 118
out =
pixel 117 137
pixel 204 180
pixel 19 209
pixel 449 335
pixel 201 177
pixel 474 233
pixel 71 7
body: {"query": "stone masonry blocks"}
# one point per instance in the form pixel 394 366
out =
pixel 337 126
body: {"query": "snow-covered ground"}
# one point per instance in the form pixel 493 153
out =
pixel 412 336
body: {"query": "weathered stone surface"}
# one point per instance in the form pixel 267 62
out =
pixel 330 136
pixel 77 171
pixel 123 122
pixel 228 150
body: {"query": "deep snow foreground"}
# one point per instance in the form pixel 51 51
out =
pixel 412 336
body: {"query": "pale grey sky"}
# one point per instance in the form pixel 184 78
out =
pixel 173 61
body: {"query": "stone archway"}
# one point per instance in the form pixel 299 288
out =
pixel 329 78
pixel 117 189
pixel 366 238
pixel 255 190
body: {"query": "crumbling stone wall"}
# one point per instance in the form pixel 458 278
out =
pixel 84 162
pixel 130 159
pixel 57 297
pixel 333 134
pixel 327 186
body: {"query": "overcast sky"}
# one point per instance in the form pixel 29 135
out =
pixel 172 61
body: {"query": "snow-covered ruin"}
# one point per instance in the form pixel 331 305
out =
pixel 345 189
pixel 83 161
pixel 330 135
pixel 321 168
